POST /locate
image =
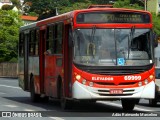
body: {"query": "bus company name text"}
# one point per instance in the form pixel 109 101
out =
pixel 102 78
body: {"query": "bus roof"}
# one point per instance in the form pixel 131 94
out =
pixel 71 14
pixel 112 9
pixel 26 27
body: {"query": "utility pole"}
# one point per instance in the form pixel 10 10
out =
pixel 145 5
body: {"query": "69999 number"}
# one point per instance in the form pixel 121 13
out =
pixel 132 77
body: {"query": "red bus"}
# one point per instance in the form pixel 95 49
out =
pixel 91 54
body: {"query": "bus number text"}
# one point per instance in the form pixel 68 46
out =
pixel 132 77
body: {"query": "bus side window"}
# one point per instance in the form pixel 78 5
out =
pixel 37 43
pixel 32 43
pixel 21 45
pixel 57 40
pixel 49 41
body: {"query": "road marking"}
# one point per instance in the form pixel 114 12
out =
pixel 9 86
pixel 28 110
pixel 111 103
pixel 141 109
pixel 11 106
pixel 56 118
pixel 2 93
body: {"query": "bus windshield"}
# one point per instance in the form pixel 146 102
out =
pixel 113 47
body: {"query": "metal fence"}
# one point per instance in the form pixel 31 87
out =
pixel 8 69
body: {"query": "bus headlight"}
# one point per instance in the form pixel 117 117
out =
pixel 140 84
pixel 78 77
pixel 151 77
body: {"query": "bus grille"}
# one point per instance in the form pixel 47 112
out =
pixel 115 72
pixel 103 83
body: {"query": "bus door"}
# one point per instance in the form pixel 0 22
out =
pixel 68 60
pixel 41 57
pixel 26 54
pixel 50 67
pixel 53 58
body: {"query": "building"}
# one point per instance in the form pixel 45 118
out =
pixel 28 19
pixel 5 2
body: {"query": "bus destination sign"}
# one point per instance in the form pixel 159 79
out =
pixel 113 17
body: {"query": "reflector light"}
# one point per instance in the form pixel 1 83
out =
pixel 91 84
pixel 84 81
pixel 146 81
pixel 140 84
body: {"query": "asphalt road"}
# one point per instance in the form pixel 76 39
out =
pixel 15 102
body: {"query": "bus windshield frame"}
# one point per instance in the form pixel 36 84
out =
pixel 113 47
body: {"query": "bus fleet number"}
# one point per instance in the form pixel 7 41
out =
pixel 132 77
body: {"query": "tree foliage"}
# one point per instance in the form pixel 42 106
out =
pixel 156 23
pixel 9 29
pixel 82 4
pixel 41 6
pixel 16 3
pixel 7 7
pixel 138 5
pixel 127 4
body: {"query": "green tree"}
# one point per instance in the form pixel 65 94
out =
pixel 16 3
pixel 81 4
pixel 156 23
pixel 48 8
pixel 42 6
pixel 103 1
pixel 7 7
pixel 127 4
pixel 9 29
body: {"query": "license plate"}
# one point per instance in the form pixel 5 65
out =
pixel 116 91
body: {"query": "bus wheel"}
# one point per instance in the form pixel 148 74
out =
pixel 34 97
pixel 152 102
pixel 45 99
pixel 65 104
pixel 128 104
pixel 137 101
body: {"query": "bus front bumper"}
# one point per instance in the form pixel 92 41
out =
pixel 81 91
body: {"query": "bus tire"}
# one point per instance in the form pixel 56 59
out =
pixel 34 97
pixel 65 104
pixel 152 102
pixel 128 104
pixel 45 99
pixel 137 101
